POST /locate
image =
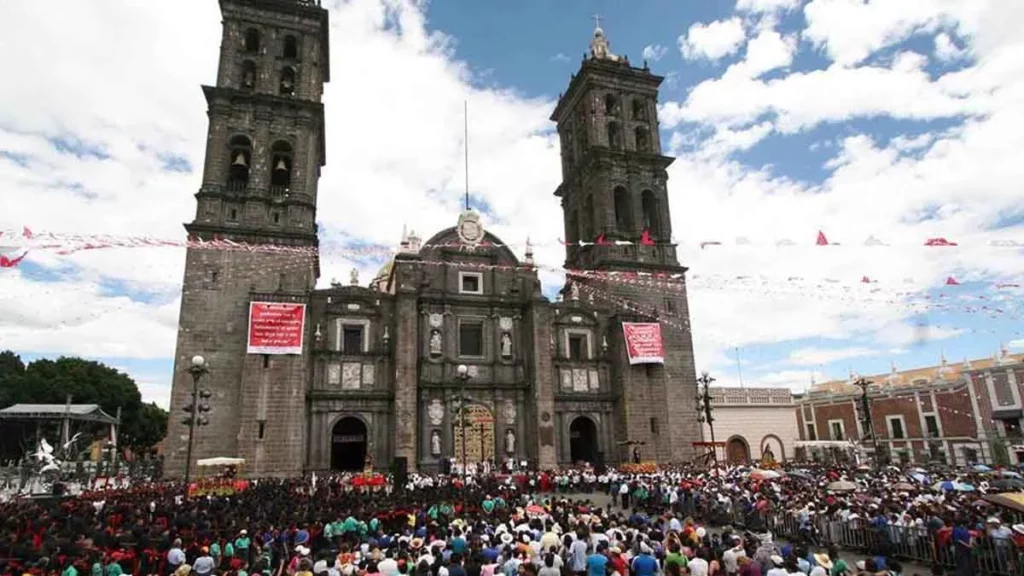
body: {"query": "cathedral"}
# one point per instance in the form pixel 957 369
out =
pixel 451 353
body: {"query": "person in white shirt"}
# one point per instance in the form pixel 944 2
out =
pixel 777 567
pixel 698 566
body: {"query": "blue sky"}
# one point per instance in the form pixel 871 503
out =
pixel 786 117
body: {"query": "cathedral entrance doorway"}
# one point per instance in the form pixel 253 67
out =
pixel 348 444
pixel 474 430
pixel 582 440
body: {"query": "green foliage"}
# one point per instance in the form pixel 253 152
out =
pixel 88 382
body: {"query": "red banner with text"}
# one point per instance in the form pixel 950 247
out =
pixel 643 342
pixel 276 327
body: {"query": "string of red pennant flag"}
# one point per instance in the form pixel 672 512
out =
pixel 65 243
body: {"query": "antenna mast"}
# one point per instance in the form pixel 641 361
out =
pixel 465 140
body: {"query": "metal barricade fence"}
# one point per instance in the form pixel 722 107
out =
pixel 989 556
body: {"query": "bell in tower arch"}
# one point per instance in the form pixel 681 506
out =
pixel 281 166
pixel 240 160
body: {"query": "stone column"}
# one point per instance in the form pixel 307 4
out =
pixel 538 323
pixel 406 354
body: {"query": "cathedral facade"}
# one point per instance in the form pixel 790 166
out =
pixel 452 351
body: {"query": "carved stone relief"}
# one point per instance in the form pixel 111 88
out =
pixel 351 375
pixel 334 374
pixel 435 412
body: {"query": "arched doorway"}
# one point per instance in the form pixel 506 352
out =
pixel 737 451
pixel 348 444
pixel 477 426
pixel 772 450
pixel 582 440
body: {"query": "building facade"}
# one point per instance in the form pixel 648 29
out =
pixel 451 351
pixel 754 424
pixel 950 413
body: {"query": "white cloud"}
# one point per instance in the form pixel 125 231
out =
pixel 763 6
pixel 852 30
pixel 654 52
pixel 819 356
pixel 560 58
pixel 712 41
pixel 946 50
pixel 795 380
pixel 1015 344
pixel 802 100
pixel 767 51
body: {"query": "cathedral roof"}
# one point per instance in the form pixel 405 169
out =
pixel 449 239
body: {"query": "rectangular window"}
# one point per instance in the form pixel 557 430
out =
pixel 471 283
pixel 931 425
pixel 233 215
pixel 263 426
pixel 836 428
pixel 811 433
pixel 654 425
pixel 670 305
pixel 577 346
pixel 896 431
pixel 351 338
pixel 471 338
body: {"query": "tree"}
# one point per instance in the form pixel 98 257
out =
pixel 47 381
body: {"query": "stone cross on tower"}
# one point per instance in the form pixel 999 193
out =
pixel 597 20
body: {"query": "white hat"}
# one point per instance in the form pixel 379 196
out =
pixel 320 566
pixel 302 550
pixel 992 520
pixel 1018 528
pixel 243 532
pixel 777 560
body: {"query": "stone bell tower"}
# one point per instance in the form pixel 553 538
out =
pixel 614 188
pixel 265 150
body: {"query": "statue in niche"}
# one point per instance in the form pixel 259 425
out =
pixel 574 291
pixel 435 342
pixel 435 443
pixel 506 345
pixel 510 441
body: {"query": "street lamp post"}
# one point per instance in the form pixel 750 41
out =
pixel 197 369
pixel 704 410
pixel 462 374
pixel 869 424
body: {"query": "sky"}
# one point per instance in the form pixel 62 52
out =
pixel 897 122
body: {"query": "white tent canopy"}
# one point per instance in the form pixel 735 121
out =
pixel 221 461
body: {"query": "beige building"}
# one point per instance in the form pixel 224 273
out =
pixel 752 421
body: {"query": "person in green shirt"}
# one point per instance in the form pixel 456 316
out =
pixel 216 553
pixel 70 571
pixel 97 569
pixel 113 569
pixel 675 556
pixel 242 544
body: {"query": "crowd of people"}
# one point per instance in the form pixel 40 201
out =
pixel 572 522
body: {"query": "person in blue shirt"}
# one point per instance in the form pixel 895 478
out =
pixel 645 564
pixel 598 561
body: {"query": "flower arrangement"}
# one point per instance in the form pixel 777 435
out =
pixel 641 468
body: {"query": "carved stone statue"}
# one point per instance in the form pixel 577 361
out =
pixel 435 342
pixel 506 345
pixel 435 443
pixel 574 291
pixel 353 277
pixel 510 441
